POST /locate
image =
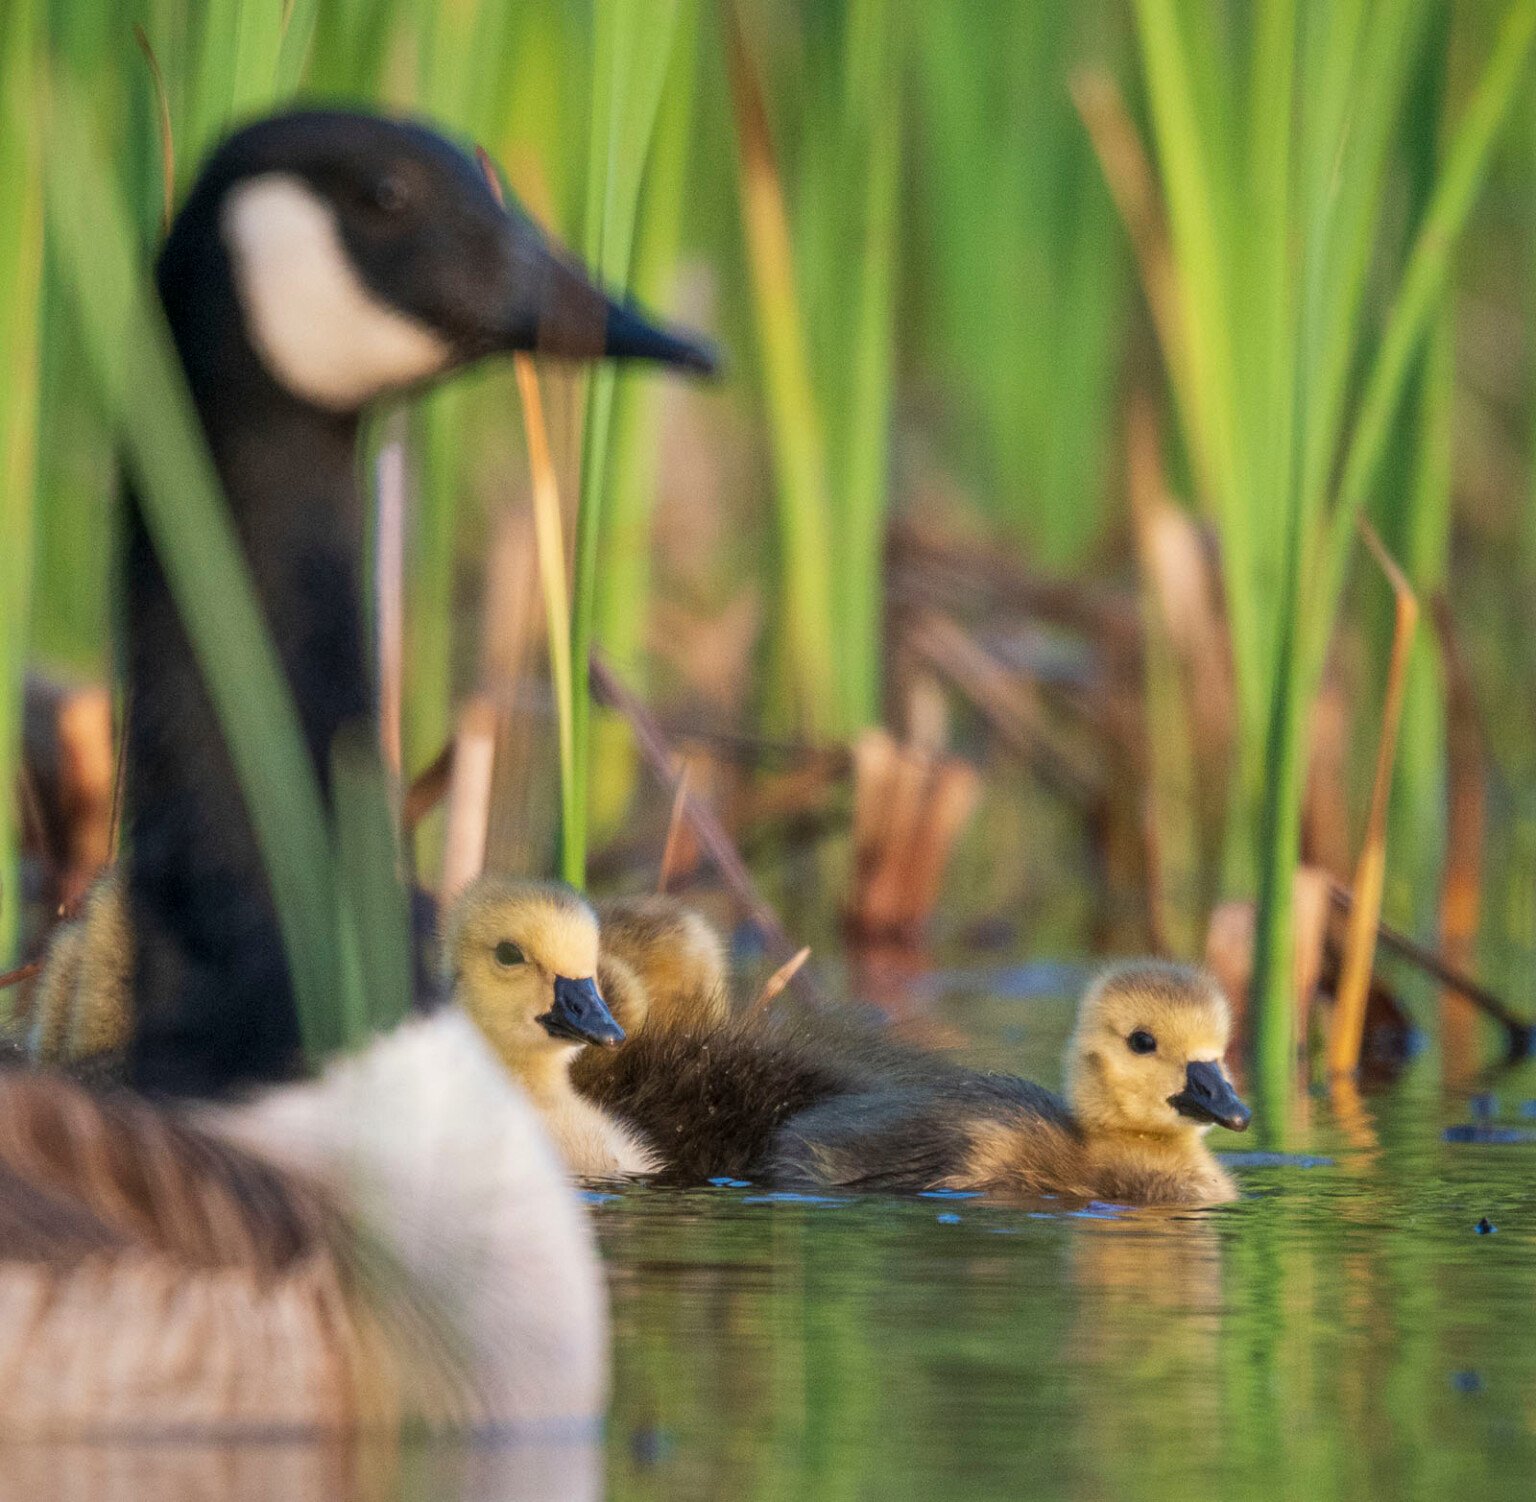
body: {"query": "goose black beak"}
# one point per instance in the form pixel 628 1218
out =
pixel 580 1014
pixel 1208 1096
pixel 554 308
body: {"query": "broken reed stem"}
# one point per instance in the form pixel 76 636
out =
pixel 774 986
pixel 671 851
pixel 1370 870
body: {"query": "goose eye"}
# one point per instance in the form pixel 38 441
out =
pixel 1141 1041
pixel 508 954
pixel 388 194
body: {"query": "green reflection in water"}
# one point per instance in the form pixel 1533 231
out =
pixel 1342 1332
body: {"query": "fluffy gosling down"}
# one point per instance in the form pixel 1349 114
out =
pixel 80 1009
pixel 1144 1084
pixel 524 964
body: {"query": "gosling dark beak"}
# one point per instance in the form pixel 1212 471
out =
pixel 553 308
pixel 1208 1096
pixel 580 1014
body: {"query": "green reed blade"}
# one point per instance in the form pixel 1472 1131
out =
pixel 142 389
pixel 21 261
pixel 634 41
pixel 375 917
pixel 621 608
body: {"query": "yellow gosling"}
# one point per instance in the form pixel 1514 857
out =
pixel 524 964
pixel 1145 1083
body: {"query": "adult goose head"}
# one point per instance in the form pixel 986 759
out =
pixel 323 260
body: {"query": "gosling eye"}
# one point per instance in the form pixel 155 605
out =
pixel 509 955
pixel 1141 1041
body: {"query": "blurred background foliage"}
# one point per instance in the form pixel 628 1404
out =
pixel 959 257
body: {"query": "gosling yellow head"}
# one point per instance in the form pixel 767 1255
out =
pixel 523 958
pixel 1146 1055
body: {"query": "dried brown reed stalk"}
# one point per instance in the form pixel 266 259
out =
pixel 1348 1031
pixel 511 638
pixel 69 784
pixel 1325 817
pixel 1132 183
pixel 469 797
pixel 1133 186
pixel 20 974
pixel 672 852
pixel 910 806
pixel 777 983
pixel 428 788
pixel 549 533
pixel 1520 1035
pixel 1007 699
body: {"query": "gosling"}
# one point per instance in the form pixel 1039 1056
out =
pixel 80 1014
pixel 523 958
pixel 1144 1084
pixel 823 1103
pixel 662 968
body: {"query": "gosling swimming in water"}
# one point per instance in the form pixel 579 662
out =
pixel 1144 1084
pixel 811 1103
pixel 524 963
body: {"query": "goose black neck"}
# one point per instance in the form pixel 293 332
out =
pixel 213 999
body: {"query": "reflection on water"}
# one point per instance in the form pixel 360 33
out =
pixel 1344 1331
pixel 277 1470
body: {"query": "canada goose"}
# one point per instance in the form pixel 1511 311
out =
pixel 524 964
pixel 322 261
pixel 391 1244
pixel 803 1102
pixel 394 1240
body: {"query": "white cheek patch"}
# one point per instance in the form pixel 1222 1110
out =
pixel 315 325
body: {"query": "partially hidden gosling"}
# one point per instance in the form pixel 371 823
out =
pixel 523 958
pixel 662 967
pixel 80 1006
pixel 1144 1084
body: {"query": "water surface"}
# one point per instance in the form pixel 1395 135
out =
pixel 1344 1331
